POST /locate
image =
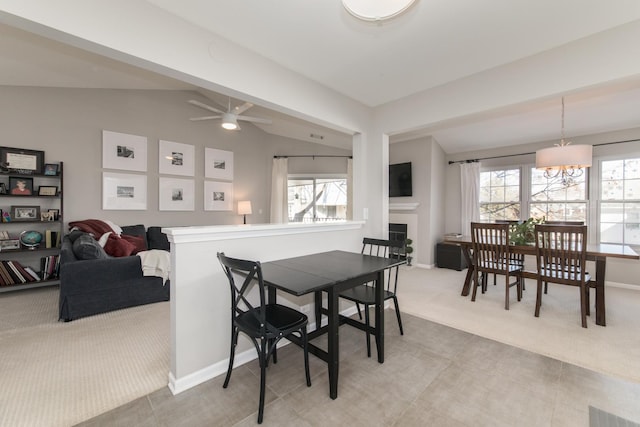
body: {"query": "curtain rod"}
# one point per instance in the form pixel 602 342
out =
pixel 524 154
pixel 309 155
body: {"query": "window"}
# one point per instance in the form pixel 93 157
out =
pixel 555 201
pixel 620 202
pixel 317 199
pixel 500 195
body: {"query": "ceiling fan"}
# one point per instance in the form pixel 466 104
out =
pixel 230 117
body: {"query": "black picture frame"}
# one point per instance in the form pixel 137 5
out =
pixel 47 190
pixel 22 161
pixel 56 214
pixel 25 213
pixel 16 189
pixel 51 169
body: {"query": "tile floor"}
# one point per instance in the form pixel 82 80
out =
pixel 432 376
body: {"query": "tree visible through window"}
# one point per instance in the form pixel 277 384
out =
pixel 555 201
pixel 620 202
pixel 317 199
pixel 500 195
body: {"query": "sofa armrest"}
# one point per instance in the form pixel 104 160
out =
pixel 98 274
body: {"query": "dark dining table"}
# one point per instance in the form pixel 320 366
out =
pixel 330 272
pixel 597 253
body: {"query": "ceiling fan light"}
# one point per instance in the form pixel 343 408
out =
pixel 229 122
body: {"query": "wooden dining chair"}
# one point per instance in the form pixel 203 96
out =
pixel 561 252
pixel 264 324
pixel 514 258
pixel 546 284
pixel 365 294
pixel 492 254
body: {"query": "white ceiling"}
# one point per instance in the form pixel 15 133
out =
pixel 435 42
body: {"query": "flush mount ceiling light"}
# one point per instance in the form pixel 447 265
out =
pixel 229 121
pixel 376 10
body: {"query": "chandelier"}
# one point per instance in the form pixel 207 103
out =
pixel 564 161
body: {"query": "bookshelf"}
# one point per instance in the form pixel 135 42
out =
pixel 19 262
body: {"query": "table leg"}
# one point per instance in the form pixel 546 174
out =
pixel 318 308
pixel 380 316
pixel 601 315
pixel 333 342
pixel 466 251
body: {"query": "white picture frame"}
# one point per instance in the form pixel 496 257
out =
pixel 218 196
pixel 176 158
pixel 218 164
pixel 124 151
pixel 121 191
pixel 176 194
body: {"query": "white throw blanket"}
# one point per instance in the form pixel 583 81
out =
pixel 155 262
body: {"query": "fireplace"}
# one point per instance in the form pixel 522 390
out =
pixel 398 232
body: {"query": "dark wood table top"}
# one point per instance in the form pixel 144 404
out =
pixel 317 272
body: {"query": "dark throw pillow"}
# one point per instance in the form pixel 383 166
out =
pixel 86 247
pixel 118 247
pixel 138 242
pixel 157 239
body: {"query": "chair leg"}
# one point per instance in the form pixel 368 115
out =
pixel 263 374
pixel 546 284
pixel 366 321
pixel 273 344
pixel 234 342
pixel 305 349
pixel 506 295
pixel 395 302
pixel 538 298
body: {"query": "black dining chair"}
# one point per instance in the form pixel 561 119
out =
pixel 561 253
pixel 365 294
pixel 264 324
pixel 492 254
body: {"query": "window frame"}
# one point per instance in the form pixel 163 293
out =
pixel 315 177
pixel 505 168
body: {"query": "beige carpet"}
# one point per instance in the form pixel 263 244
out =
pixel 58 374
pixel 615 349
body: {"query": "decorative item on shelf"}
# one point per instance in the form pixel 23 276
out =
pixel 51 169
pixel 47 190
pixel 4 235
pixel 56 214
pixel 408 250
pixel 6 216
pixel 47 216
pixel 30 239
pixel 564 160
pixel 3 188
pixel 25 213
pixel 522 233
pixel 22 161
pixel 9 244
pixel 19 186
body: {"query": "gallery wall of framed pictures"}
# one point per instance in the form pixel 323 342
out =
pixel 127 190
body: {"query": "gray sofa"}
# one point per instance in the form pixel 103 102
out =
pixel 98 284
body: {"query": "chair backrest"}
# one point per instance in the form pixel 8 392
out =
pixel 564 223
pixel 561 252
pixel 393 249
pixel 243 275
pixel 491 250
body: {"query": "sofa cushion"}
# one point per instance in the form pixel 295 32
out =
pixel 157 239
pixel 139 242
pixel 136 230
pixel 118 247
pixel 86 247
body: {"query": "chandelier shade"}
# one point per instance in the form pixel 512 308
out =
pixel 564 157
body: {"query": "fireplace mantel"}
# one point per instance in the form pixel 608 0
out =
pixel 403 206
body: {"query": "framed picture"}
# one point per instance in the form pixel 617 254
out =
pixel 47 190
pixel 20 186
pixel 56 214
pixel 176 158
pixel 176 194
pixel 121 191
pixel 47 216
pixel 10 244
pixel 51 169
pixel 218 164
pixel 218 196
pixel 19 160
pixel 25 213
pixel 124 151
pixel 3 188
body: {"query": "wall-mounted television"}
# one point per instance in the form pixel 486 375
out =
pixel 400 180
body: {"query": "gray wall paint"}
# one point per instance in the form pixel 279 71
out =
pixel 67 124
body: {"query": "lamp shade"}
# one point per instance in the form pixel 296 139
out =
pixel 244 207
pixel 229 121
pixel 564 156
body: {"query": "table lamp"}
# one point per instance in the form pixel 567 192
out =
pixel 244 208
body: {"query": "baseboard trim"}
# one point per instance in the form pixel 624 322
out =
pixel 622 286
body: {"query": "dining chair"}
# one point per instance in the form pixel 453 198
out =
pixel 264 324
pixel 365 294
pixel 561 252
pixel 546 284
pixel 514 258
pixel 492 254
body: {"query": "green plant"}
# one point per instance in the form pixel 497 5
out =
pixel 408 250
pixel 523 232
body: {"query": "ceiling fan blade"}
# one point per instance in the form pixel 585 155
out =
pixel 255 120
pixel 205 106
pixel 195 119
pixel 242 108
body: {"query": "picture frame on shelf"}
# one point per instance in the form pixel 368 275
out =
pixel 56 214
pixel 3 188
pixel 22 161
pixel 47 190
pixel 121 191
pixel 25 213
pixel 9 244
pixel 51 169
pixel 47 216
pixel 20 186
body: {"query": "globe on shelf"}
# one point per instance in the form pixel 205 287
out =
pixel 30 239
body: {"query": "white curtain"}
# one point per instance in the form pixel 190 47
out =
pixel 279 207
pixel 470 190
pixel 349 188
